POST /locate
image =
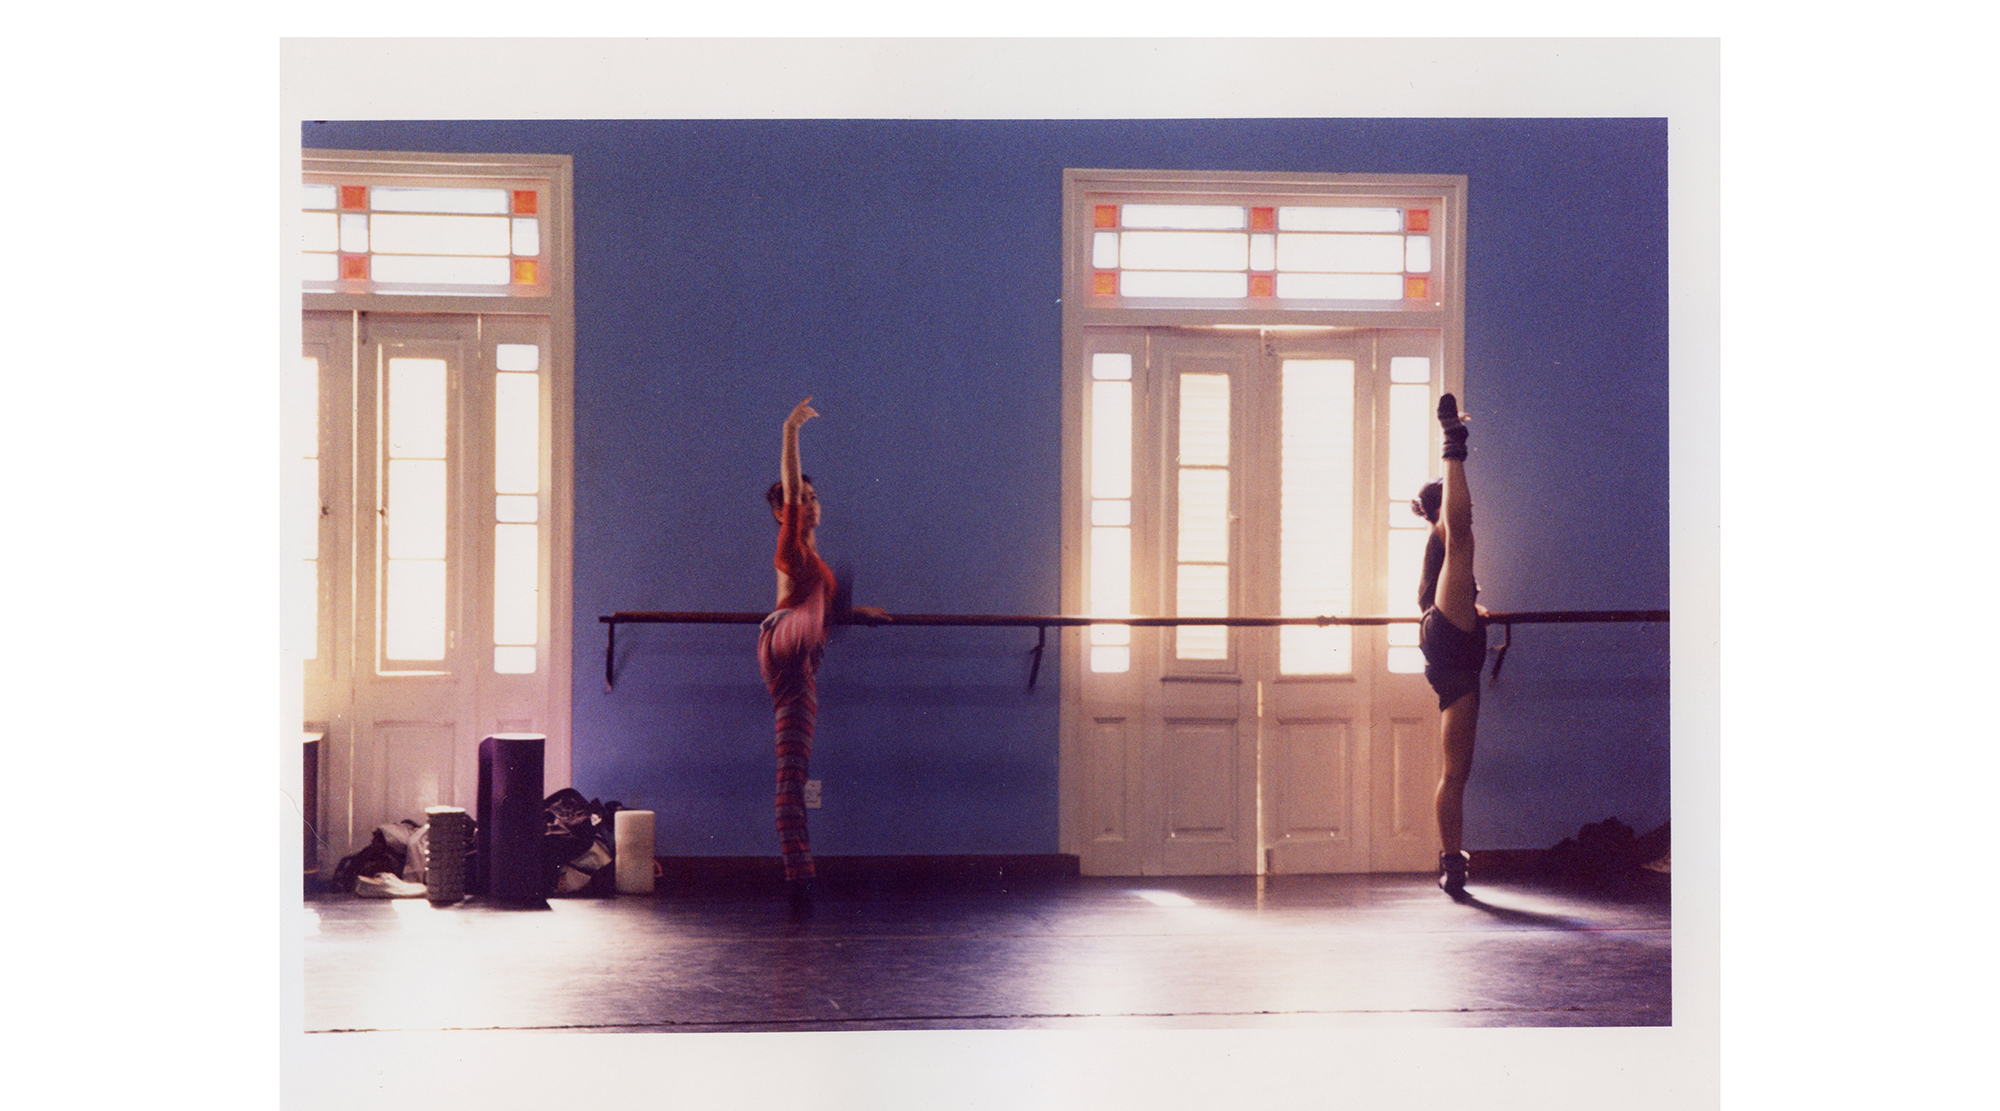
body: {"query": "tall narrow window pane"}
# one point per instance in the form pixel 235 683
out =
pixel 519 356
pixel 416 408
pixel 416 516
pixel 1111 439
pixel 1204 516
pixel 515 584
pixel 414 610
pixel 1316 513
pixel 1202 591
pixel 516 428
pixel 1410 419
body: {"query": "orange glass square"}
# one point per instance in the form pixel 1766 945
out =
pixel 525 271
pixel 1105 282
pixel 354 268
pixel 1418 219
pixel 1263 219
pixel 524 202
pixel 1416 289
pixel 1263 285
pixel 354 196
pixel 1107 216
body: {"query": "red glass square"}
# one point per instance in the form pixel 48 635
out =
pixel 1416 289
pixel 1263 219
pixel 525 271
pixel 1418 219
pixel 354 196
pixel 524 202
pixel 353 268
pixel 1105 282
pixel 1263 285
pixel 1107 216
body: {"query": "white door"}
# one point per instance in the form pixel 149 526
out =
pixel 437 558
pixel 1265 472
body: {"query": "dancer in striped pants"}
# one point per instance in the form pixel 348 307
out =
pixel 790 645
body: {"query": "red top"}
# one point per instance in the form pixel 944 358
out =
pixel 812 579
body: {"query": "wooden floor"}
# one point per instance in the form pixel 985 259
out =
pixel 991 954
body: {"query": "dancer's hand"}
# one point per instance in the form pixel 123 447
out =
pixel 801 413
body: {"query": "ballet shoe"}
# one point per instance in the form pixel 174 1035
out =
pixel 1451 872
pixel 1454 427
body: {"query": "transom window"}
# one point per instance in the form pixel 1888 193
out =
pixel 363 237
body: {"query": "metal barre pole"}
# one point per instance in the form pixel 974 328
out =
pixel 1044 622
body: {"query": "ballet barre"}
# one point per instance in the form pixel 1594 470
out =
pixel 1042 623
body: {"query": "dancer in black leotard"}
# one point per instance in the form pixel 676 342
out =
pixel 1453 635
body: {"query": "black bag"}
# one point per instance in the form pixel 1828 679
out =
pixel 578 838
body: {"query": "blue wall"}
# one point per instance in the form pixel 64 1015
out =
pixel 906 275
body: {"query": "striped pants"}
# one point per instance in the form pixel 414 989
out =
pixel 789 648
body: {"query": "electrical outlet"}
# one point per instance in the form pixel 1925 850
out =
pixel 812 794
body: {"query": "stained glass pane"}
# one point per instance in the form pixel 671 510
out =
pixel 1188 250
pixel 1173 283
pixel 422 270
pixel 527 237
pixel 398 198
pixel 1212 216
pixel 1350 254
pixel 442 235
pixel 525 202
pixel 1341 287
pixel 1304 218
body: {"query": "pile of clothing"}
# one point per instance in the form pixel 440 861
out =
pixel 578 851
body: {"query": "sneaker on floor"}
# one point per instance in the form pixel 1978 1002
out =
pixel 383 885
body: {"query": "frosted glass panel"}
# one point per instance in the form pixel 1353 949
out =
pixel 1110 659
pixel 416 516
pixel 1204 516
pixel 1315 650
pixel 1418 254
pixel 1204 431
pixel 319 231
pixel 1410 419
pixel 1113 513
pixel 1316 505
pixel 1263 252
pixel 1177 283
pixel 319 268
pixel 1302 218
pixel 1111 634
pixel 1214 216
pixel 1406 661
pixel 527 236
pixel 1410 368
pixel 414 610
pixel 1111 439
pixel 1104 250
pixel 395 198
pixel 1111 366
pixel 1342 253
pixel 517 508
pixel 513 660
pixel 442 235
pixel 1341 287
pixel 514 584
pixel 317 196
pixel 354 232
pixel 420 270
pixel 1110 572
pixel 516 433
pixel 1186 250
pixel 416 408
pixel 517 356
